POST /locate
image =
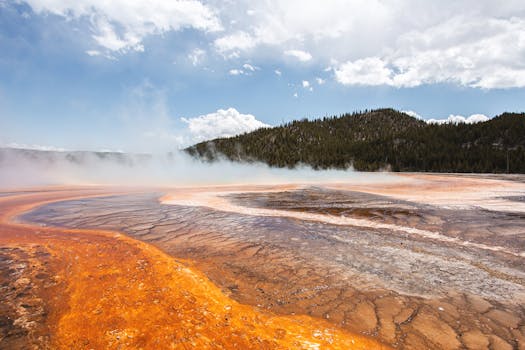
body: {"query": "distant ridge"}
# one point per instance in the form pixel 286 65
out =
pixel 8 154
pixel 383 139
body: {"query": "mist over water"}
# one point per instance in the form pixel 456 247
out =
pixel 26 168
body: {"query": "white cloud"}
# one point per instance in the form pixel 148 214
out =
pixel 93 53
pixel 236 72
pixel 476 118
pixel 436 55
pixel 454 119
pixel 278 72
pixel 302 56
pixel 249 67
pixel 223 123
pixel 320 81
pixel 121 25
pixel 306 84
pixel 295 94
pixel 457 119
pixel 412 114
pixel 404 43
pixel 236 41
pixel 287 23
pixel 108 38
pixel 196 56
pixel 368 71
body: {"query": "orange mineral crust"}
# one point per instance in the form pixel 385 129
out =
pixel 94 289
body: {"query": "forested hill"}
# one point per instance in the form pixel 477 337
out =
pixel 380 139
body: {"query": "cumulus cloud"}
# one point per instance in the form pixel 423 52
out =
pixel 121 25
pixel 223 123
pixel 284 24
pixel 320 81
pixel 405 43
pixel 302 56
pixel 236 72
pixel 233 42
pixel 457 51
pixel 477 44
pixel 457 119
pixel 249 67
pixel 278 72
pixel 413 114
pixel 452 119
pixel 306 84
pixel 368 71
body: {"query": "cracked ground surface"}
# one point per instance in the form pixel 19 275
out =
pixel 410 273
pixel 97 289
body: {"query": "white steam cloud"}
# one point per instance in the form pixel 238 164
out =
pixel 28 168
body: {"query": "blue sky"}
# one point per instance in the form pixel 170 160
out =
pixel 136 76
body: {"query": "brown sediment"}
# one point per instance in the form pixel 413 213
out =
pixel 448 189
pixel 461 289
pixel 391 218
pixel 97 289
pixel 456 227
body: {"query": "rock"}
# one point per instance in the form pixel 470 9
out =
pixel 475 340
pixel 436 331
pixel 499 344
pixel 504 318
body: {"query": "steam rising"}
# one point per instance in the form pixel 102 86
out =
pixel 24 168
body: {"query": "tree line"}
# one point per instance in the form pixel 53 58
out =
pixel 383 139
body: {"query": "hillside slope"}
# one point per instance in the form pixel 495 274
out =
pixel 380 139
